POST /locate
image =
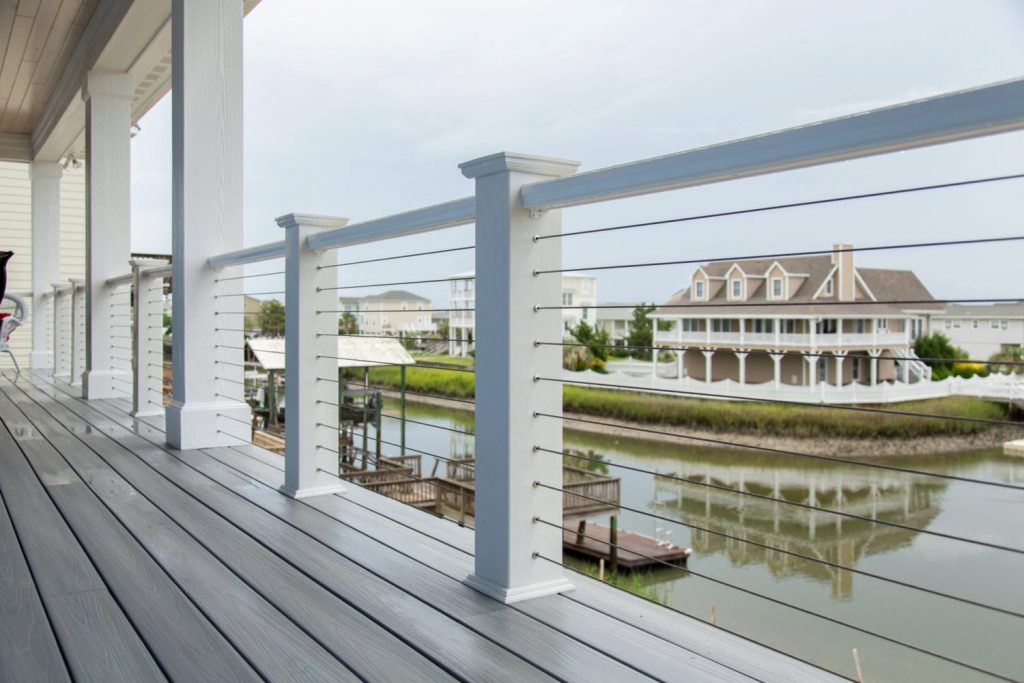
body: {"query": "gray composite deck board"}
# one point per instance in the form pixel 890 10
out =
pixel 182 640
pixel 81 610
pixel 28 646
pixel 563 656
pixel 343 632
pixel 592 633
pixel 466 652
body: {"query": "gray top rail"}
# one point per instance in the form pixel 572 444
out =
pixel 954 116
pixel 262 252
pixel 427 219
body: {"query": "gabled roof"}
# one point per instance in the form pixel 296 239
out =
pixel 983 311
pixel 395 295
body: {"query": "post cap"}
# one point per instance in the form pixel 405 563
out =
pixel 310 220
pixel 520 163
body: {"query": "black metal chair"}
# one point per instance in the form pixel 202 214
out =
pixel 10 321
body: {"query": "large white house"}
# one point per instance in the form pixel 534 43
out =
pixel 797 321
pixel 981 330
pixel 579 296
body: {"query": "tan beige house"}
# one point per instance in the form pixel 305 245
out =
pixel 395 312
pixel 797 321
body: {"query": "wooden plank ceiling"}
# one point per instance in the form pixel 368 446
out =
pixel 37 38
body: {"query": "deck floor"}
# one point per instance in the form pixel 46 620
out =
pixel 124 560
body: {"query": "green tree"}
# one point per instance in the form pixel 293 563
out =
pixel 938 352
pixel 348 323
pixel 641 334
pixel 1009 354
pixel 597 341
pixel 272 318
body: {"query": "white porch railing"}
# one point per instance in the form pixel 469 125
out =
pixel 782 340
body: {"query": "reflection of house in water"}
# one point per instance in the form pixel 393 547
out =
pixel 876 494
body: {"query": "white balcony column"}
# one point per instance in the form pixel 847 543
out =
pixel 708 354
pixel 147 339
pixel 840 356
pixel 777 324
pixel 812 371
pixel 654 354
pixel 812 327
pixel 45 257
pixel 680 362
pixel 707 331
pixel 62 328
pixel 78 331
pixel 839 332
pixel 874 353
pixel 207 407
pixel 742 357
pixel 874 331
pixel 108 120
pixel 311 349
pixel 507 428
pixel 777 369
pixel 743 325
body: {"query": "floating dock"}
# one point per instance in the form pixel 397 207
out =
pixel 1014 447
pixel 636 551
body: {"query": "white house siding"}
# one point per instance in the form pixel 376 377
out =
pixel 977 337
pixel 16 236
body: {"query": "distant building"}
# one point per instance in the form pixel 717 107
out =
pixel 797 321
pixel 617 322
pixel 395 312
pixel 579 296
pixel 981 330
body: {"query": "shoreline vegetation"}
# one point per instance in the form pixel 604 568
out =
pixel 828 431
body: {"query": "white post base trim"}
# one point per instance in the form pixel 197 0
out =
pixel 151 411
pixel 100 384
pixel 41 360
pixel 200 425
pixel 326 489
pixel 510 595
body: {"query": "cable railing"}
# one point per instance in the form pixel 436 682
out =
pixel 336 379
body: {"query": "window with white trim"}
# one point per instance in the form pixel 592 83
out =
pixel 698 289
pixel 776 288
pixel 567 298
pixel 948 324
pixel 1004 324
pixel 974 324
pixel 883 324
pixel 735 288
pixel 829 287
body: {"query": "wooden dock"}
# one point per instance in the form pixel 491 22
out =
pixel 636 551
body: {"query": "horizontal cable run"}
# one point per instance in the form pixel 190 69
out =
pixel 379 363
pixel 786 402
pixel 247 442
pixel 797 454
pixel 785 304
pixel 397 310
pixel 391 336
pixel 234 365
pixel 417 451
pixel 245 277
pixel 791 254
pixel 674 346
pixel 789 205
pixel 222 296
pixel 781 603
pixel 400 256
pixel 394 284
pixel 435 484
pixel 230 398
pixel 416 393
pixel 806 506
pixel 234 329
pixel 233 381
pixel 235 419
pixel 427 424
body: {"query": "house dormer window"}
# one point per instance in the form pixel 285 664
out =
pixel 736 288
pixel 776 288
pixel 698 290
pixel 829 286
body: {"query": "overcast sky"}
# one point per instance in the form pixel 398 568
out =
pixel 363 108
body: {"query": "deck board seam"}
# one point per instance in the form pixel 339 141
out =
pixel 31 572
pixel 252 539
pixel 218 559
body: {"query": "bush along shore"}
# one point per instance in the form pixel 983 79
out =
pixel 738 417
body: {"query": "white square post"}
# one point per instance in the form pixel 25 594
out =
pixel 207 406
pixel 311 365
pixel 507 394
pixel 62 325
pixel 78 331
pixel 148 338
pixel 45 257
pixel 108 111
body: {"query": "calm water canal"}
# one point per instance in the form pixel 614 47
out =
pixel 987 639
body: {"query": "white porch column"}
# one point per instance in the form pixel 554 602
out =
pixel 874 353
pixel 776 325
pixel 839 332
pixel 840 357
pixel 742 357
pixel 108 120
pixel 654 353
pixel 311 349
pixel 206 130
pixel 507 428
pixel 743 331
pixel 707 331
pixel 777 370
pixel 148 339
pixel 812 371
pixel 707 365
pixel 45 257
pixel 680 353
pixel 78 331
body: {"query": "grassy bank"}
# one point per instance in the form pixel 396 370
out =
pixel 732 416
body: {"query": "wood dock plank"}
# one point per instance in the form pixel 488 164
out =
pixel 355 639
